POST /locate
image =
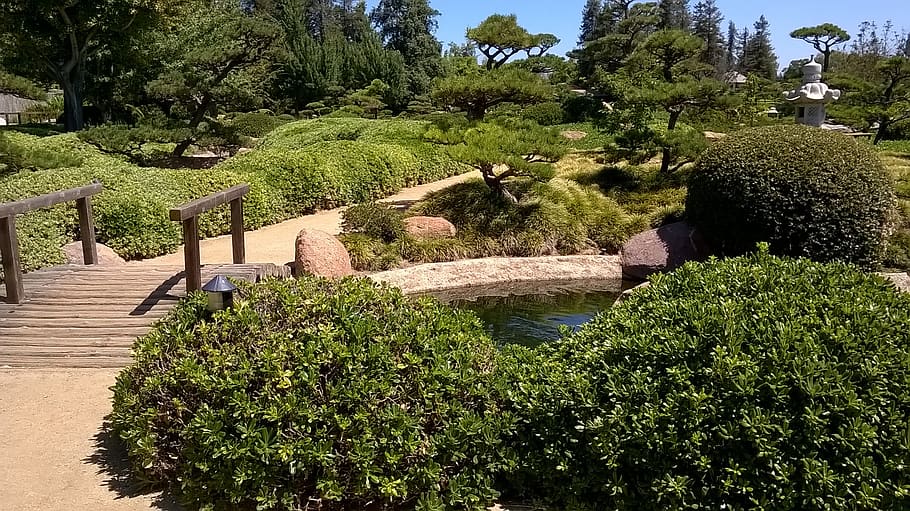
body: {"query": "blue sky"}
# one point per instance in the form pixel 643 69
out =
pixel 562 17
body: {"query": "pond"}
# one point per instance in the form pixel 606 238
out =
pixel 532 316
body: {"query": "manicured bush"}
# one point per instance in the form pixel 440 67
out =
pixel 255 124
pixel 545 114
pixel 340 395
pixel 806 191
pixel 374 220
pixel 747 383
pixel 131 213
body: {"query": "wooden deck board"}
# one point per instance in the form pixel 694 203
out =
pixel 89 316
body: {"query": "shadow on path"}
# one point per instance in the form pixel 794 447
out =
pixel 111 459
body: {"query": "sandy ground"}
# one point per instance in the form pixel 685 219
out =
pixel 275 243
pixel 55 450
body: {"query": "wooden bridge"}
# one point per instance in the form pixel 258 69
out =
pixel 90 315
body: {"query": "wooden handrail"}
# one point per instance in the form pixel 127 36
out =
pixel 188 215
pixel 9 241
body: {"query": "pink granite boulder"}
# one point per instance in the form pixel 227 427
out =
pixel 320 253
pixel 106 255
pixel 424 227
pixel 662 249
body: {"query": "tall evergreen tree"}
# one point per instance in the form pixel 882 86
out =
pixel 590 16
pixel 742 49
pixel 706 20
pixel 624 27
pixel 407 26
pixel 674 15
pixel 732 37
pixel 759 56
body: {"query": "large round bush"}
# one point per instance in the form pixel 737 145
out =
pixel 806 191
pixel 313 393
pixel 748 383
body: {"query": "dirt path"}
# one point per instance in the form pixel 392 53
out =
pixel 275 243
pixel 55 453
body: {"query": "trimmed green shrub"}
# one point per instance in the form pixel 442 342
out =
pixel 131 212
pixel 374 220
pixel 748 383
pixel 344 394
pixel 545 114
pixel 255 124
pixel 808 192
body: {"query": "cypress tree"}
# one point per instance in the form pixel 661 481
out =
pixel 674 15
pixel 706 20
pixel 759 57
pixel 590 16
pixel 407 26
pixel 732 34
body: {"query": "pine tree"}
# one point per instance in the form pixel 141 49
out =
pixel 590 16
pixel 706 20
pixel 674 15
pixel 759 56
pixel 742 49
pixel 407 26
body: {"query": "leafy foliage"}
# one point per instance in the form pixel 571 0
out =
pixel 545 114
pixel 807 192
pixel 22 87
pixel 342 393
pixel 742 383
pixel 373 220
pixel 255 124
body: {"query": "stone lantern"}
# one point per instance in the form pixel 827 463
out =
pixel 811 99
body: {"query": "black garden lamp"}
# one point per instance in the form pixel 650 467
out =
pixel 220 291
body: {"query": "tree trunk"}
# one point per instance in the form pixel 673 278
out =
pixel 73 118
pixel 197 118
pixel 667 153
pixel 882 131
pixel 476 112
pixel 496 185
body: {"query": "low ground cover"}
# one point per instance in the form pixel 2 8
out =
pixel 586 208
pixel 737 383
pixel 288 177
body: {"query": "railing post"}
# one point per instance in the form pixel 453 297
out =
pixel 191 254
pixel 87 230
pixel 237 241
pixel 9 251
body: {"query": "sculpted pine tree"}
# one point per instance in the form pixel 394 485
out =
pixel 823 38
pixel 478 91
pixel 53 40
pixel 669 77
pixel 500 37
pixel 208 51
pixel 507 150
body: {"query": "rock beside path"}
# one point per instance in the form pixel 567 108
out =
pixel 320 253
pixel 424 227
pixel 900 280
pixel 106 255
pixel 662 249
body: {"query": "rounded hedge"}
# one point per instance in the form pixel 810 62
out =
pixel 756 382
pixel 806 191
pixel 310 393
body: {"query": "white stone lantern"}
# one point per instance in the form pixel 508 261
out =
pixel 811 99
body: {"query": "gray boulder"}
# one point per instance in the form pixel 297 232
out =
pixel 663 249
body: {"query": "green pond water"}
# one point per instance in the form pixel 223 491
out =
pixel 534 319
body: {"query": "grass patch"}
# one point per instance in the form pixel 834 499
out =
pixel 897 252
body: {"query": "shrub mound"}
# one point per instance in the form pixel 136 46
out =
pixel 338 395
pixel 286 180
pixel 808 192
pixel 256 124
pixel 747 383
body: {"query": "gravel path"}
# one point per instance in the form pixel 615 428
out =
pixel 275 243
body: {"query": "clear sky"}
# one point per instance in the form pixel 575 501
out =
pixel 562 17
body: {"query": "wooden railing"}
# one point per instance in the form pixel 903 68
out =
pixel 9 241
pixel 188 214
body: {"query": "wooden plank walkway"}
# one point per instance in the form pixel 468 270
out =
pixel 89 316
